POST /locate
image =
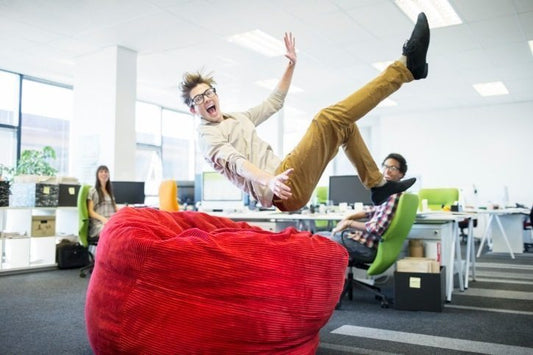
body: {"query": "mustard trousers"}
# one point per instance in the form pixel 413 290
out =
pixel 332 128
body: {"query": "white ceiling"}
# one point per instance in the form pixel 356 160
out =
pixel 337 41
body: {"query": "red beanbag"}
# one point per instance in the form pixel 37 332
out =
pixel 191 283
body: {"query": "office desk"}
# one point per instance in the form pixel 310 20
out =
pixel 508 236
pixel 444 226
pixel 440 226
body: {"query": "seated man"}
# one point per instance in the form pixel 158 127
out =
pixel 362 240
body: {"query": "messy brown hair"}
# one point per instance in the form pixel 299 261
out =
pixel 190 81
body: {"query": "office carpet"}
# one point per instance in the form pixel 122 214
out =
pixel 42 313
pixel 493 316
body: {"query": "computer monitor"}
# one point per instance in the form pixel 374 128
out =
pixel 128 192
pixel 186 192
pixel 218 193
pixel 349 189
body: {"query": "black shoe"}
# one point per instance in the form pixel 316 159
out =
pixel 416 48
pixel 381 193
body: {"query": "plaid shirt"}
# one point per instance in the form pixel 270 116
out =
pixel 379 219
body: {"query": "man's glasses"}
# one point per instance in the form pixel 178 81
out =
pixel 199 99
pixel 390 167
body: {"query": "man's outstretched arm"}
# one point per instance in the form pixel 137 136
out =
pixel 290 45
pixel 276 183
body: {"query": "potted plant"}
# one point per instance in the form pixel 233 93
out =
pixel 31 179
pixel 36 162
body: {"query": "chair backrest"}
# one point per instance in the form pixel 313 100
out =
pixel 83 215
pixel 437 197
pixel 321 193
pixel 392 240
pixel 168 196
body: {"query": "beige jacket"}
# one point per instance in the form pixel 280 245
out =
pixel 226 145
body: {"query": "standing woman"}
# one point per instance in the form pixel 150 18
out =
pixel 101 202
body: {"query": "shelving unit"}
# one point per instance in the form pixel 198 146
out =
pixel 19 249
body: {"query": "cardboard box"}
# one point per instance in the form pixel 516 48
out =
pixel 43 226
pixel 68 195
pixel 420 291
pixel 413 264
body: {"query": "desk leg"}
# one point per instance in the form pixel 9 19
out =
pixel 458 256
pixel 499 222
pixel 470 255
pixel 451 265
pixel 485 235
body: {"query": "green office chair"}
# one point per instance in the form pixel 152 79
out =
pixel 390 246
pixel 83 228
pixel 321 194
pixel 438 197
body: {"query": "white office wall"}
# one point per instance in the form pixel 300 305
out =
pixel 489 147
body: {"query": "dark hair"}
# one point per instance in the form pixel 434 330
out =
pixel 190 81
pixel 108 185
pixel 400 159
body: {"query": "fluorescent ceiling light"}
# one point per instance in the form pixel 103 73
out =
pixel 531 46
pixel 439 12
pixel 270 84
pixel 491 89
pixel 259 41
pixel 381 66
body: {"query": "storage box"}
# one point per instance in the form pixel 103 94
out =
pixel 68 195
pixel 43 226
pixel 4 193
pixel 29 194
pixel 416 291
pixel 414 264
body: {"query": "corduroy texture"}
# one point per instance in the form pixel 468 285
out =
pixel 191 283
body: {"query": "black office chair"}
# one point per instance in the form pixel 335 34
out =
pixel 528 225
pixel 463 225
pixel 87 269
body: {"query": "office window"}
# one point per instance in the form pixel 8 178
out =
pixel 45 120
pixel 148 123
pixel 178 145
pixel 9 98
pixel 148 152
pixel 8 153
pixel 148 169
pixel 9 117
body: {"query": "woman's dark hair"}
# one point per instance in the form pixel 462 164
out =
pixel 400 159
pixel 108 185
